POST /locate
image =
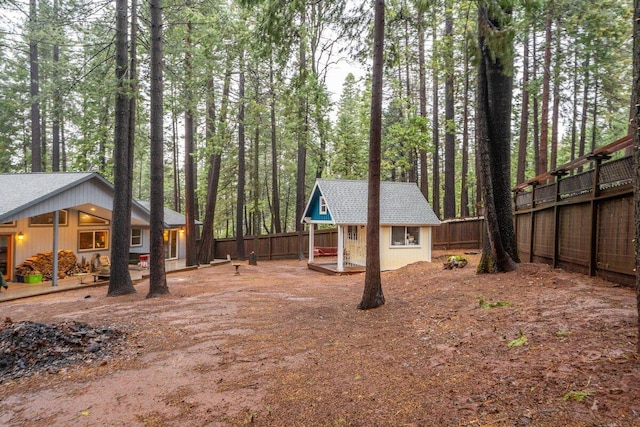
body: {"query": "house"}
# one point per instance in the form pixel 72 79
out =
pixel 82 202
pixel 406 220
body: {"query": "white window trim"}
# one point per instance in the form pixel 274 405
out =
pixel 93 248
pixel 135 245
pixel 168 246
pixel 323 206
pixel 405 245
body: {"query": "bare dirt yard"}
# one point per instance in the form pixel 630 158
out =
pixel 280 345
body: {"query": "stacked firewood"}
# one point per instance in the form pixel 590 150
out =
pixel 43 263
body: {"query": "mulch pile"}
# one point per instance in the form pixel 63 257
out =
pixel 29 347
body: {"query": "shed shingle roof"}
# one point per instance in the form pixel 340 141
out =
pixel 401 203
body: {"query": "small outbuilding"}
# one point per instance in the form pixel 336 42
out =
pixel 406 221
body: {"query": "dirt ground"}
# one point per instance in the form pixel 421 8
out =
pixel 280 345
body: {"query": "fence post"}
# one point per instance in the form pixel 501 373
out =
pixel 556 216
pixel 595 192
pixel 532 220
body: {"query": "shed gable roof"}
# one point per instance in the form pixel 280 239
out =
pixel 401 203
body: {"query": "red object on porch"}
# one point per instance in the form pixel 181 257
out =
pixel 144 261
pixel 325 251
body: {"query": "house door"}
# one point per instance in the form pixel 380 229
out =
pixel 6 255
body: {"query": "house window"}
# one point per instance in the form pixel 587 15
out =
pixel 170 244
pixel 88 219
pixel 352 232
pixel 405 236
pixel 136 237
pixel 323 206
pixel 90 240
pixel 46 220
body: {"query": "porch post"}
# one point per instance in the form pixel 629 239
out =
pixel 340 248
pixel 311 243
pixel 54 274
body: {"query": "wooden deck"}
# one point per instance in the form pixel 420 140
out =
pixel 331 268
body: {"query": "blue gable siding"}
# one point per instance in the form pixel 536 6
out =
pixel 314 208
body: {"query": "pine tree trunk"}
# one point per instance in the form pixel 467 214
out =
pixel 191 256
pixel 585 108
pixel 158 278
pixel 215 138
pixel 449 143
pixel 275 191
pixel 574 114
pixel 555 114
pixel 372 296
pixel 303 127
pixel 424 174
pixel 240 252
pixel 493 133
pixel 255 177
pixel 464 186
pixel 636 152
pixel 536 110
pixel 57 107
pixel 34 88
pixel 436 135
pixel 205 251
pixel 524 115
pixel 175 156
pixel 120 281
pixel 546 78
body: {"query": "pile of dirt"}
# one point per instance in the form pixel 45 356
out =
pixel 28 347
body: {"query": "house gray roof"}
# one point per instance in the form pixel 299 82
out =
pixel 172 218
pixel 20 190
pixel 401 203
pixel 31 194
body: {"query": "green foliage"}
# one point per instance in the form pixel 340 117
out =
pixel 518 342
pixel 577 395
pixel 486 304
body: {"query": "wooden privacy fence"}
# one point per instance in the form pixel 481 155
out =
pixel 463 233
pixel 275 246
pixel 584 221
pixel 454 234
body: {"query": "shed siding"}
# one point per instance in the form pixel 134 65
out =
pixel 356 246
pixel 314 208
pixel 392 258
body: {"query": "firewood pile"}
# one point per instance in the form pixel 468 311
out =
pixel 43 263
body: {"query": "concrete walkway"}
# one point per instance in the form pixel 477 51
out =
pixel 19 290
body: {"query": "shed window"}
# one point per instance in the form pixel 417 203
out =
pixel 323 206
pixel 405 236
pixel 352 232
